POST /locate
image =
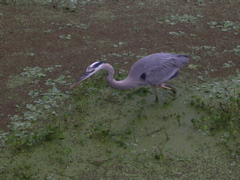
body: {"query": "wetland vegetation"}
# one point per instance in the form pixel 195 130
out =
pixel 50 132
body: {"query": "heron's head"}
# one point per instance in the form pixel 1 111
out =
pixel 93 68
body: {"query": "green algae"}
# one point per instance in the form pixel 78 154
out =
pixel 124 134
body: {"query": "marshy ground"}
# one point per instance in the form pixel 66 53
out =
pixel 93 131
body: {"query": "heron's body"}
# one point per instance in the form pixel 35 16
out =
pixel 152 70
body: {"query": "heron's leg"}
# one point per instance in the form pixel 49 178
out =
pixel 155 90
pixel 169 87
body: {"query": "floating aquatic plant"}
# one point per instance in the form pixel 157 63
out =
pixel 235 50
pixel 68 36
pixel 226 26
pixel 177 18
pixel 208 50
pixel 180 33
pixel 42 108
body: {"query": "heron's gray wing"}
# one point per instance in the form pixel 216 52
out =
pixel 164 67
pixel 157 68
pixel 161 73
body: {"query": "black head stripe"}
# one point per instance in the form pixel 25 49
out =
pixel 97 64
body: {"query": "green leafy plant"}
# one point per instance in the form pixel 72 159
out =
pixel 177 18
pixel 23 171
pixel 226 26
pixel 25 139
pixel 180 33
pixel 221 106
pixel 235 50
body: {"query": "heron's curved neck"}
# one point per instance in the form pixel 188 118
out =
pixel 124 84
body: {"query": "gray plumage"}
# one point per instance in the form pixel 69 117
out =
pixel 152 70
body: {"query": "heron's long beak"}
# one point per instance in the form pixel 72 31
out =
pixel 84 76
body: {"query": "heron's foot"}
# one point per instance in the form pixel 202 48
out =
pixel 169 87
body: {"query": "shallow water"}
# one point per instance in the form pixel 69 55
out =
pixel 99 132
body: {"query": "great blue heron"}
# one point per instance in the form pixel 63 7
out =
pixel 152 70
